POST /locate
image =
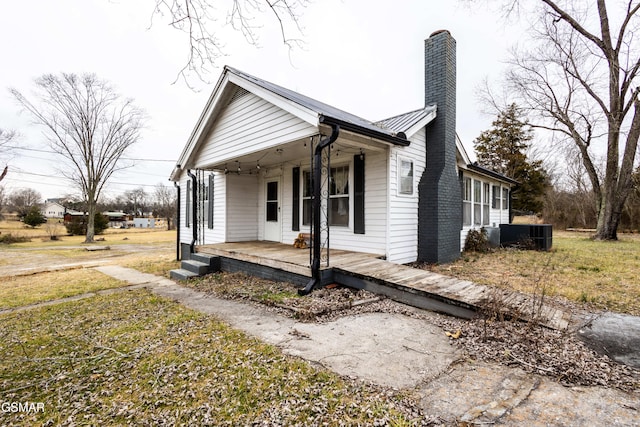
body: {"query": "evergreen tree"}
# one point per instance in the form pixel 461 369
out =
pixel 503 148
pixel 34 217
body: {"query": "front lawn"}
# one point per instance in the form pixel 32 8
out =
pixel 603 275
pixel 17 291
pixel 132 357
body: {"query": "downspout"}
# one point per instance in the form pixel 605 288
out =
pixel 175 184
pixel 317 202
pixel 194 211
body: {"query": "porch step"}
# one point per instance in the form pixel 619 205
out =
pixel 182 274
pixel 198 265
pixel 211 260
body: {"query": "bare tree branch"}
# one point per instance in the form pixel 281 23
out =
pixel 200 20
pixel 88 125
pixel 578 77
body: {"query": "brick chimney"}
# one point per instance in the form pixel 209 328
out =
pixel 440 197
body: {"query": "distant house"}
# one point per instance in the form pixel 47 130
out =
pixel 402 188
pixel 52 209
pixel 70 214
pixel 144 222
pixel 117 219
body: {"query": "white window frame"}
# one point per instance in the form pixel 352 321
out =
pixel 505 198
pixel 467 202
pixel 399 166
pixel 486 207
pixel 307 198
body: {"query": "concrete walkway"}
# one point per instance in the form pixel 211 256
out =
pixel 402 352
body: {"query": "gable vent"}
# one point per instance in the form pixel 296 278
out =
pixel 239 93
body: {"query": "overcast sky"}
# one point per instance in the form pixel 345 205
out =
pixel 361 56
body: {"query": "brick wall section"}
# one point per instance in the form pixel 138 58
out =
pixel 265 272
pixel 440 204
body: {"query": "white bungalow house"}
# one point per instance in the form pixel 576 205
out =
pixel 402 188
pixel 53 209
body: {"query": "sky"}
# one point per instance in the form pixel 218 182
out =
pixel 364 57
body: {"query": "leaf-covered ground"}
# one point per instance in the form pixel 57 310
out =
pixel 134 358
pixel 556 354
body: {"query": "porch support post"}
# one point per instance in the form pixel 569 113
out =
pixel 177 221
pixel 194 210
pixel 317 204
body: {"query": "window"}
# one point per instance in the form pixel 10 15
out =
pixel 405 176
pixel 466 202
pixel 339 196
pixel 203 205
pixel 485 204
pixel 495 201
pixel 307 192
pixel 477 198
pixel 505 199
pixel 272 201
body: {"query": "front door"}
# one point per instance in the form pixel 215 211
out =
pixel 272 228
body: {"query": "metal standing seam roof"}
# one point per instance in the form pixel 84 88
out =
pixel 403 122
pixel 318 107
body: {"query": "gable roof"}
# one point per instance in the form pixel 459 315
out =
pixel 308 109
pixel 411 122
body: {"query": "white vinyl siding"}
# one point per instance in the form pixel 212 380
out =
pixel 484 209
pixel 242 207
pixel 217 233
pixel 247 125
pixel 402 246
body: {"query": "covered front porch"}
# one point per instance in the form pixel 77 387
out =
pixel 412 286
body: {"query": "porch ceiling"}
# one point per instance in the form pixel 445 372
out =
pixel 295 153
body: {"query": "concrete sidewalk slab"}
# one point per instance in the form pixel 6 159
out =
pixel 403 352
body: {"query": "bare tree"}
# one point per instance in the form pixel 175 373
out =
pixel 578 77
pixel 165 203
pixel 23 200
pixel 137 198
pixel 6 138
pixel 200 19
pixel 89 125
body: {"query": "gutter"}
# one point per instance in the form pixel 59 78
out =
pixel 317 202
pixel 395 139
pixel 194 211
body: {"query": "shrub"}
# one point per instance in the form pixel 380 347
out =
pixel 78 225
pixel 12 238
pixel 34 217
pixel 477 241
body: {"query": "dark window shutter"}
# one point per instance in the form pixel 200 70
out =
pixel 210 210
pixel 358 194
pixel 295 214
pixel 187 207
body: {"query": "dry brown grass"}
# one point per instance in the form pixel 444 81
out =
pixel 24 290
pixel 603 275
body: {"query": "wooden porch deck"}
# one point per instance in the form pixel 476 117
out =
pixel 416 287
